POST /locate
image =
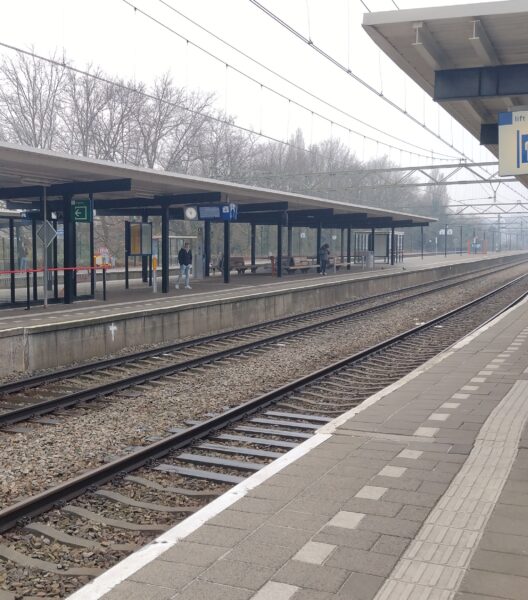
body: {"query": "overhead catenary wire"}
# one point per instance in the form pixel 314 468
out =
pixel 135 90
pixel 440 155
pixel 360 80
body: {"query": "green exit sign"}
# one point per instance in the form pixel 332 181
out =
pixel 81 211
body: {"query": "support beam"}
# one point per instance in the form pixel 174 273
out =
pixel 481 82
pixel 182 199
pixel 279 250
pixel 482 44
pixel 262 207
pixel 427 47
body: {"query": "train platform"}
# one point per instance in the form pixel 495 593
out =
pixel 420 493
pixel 86 330
pixel 139 295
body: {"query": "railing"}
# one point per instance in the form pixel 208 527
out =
pixel 29 272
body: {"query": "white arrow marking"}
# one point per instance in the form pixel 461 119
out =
pixel 112 330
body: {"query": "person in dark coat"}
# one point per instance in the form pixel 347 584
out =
pixel 185 260
pixel 324 255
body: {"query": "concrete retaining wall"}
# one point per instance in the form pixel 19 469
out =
pixel 55 344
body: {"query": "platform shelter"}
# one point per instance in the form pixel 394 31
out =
pixel 41 186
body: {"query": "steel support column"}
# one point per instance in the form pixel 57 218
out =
pixel 12 258
pixel 279 250
pixel 207 248
pixel 422 241
pixel 227 251
pixel 445 240
pixel 34 256
pixel 92 249
pixel 290 241
pixel 349 247
pixel 69 250
pixel 165 258
pixel 144 257
pixel 393 249
pixel 253 243
pixel 319 240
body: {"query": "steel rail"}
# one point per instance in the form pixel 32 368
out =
pixel 74 487
pixel 45 378
pixel 92 393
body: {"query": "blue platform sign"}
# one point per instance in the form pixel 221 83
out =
pixel 230 212
pixel 513 143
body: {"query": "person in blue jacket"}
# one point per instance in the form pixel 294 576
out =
pixel 185 260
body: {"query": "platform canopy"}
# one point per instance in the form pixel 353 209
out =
pixel 472 59
pixel 127 190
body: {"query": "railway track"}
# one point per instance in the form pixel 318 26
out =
pixel 108 511
pixel 42 394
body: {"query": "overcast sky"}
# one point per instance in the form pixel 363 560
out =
pixel 124 42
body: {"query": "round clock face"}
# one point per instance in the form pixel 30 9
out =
pixel 191 212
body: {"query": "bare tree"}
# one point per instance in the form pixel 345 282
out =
pixel 85 100
pixel 31 96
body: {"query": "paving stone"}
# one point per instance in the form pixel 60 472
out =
pixel 411 463
pixel 346 519
pixel 360 586
pixel 390 544
pixel 311 595
pixel 299 520
pixel 464 596
pixel 507 518
pixel 494 584
pixel 315 506
pixel 394 526
pixel 414 498
pixel 259 505
pixel 200 555
pixel 173 576
pixel 398 483
pixel 361 561
pixel 226 537
pixel 256 552
pixel 502 542
pixel 203 590
pixel 276 591
pixel 130 590
pixel 500 562
pixel 379 507
pixel 435 476
pixel 414 513
pixel 238 519
pixel 430 487
pixel 370 452
pixel 371 492
pixel 237 574
pixel 317 577
pixel 346 537
pixel 514 498
pixel 270 491
pixel 410 454
pixel 280 536
pixel 314 553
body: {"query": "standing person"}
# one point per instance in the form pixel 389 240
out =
pixel 185 260
pixel 324 254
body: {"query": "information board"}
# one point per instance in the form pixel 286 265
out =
pixel 513 143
